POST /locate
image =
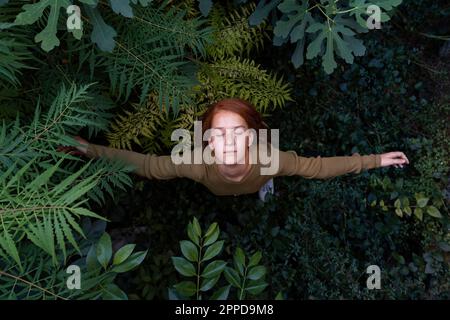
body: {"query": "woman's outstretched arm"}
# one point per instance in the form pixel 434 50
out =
pixel 329 167
pixel 147 165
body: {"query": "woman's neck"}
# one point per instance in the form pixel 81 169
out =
pixel 235 172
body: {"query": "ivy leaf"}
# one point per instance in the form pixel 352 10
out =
pixel 418 213
pixel 295 14
pixel 102 33
pixel 333 43
pixel 434 212
pixel 422 202
pixel 32 13
pixel 261 12
pixel 122 7
pixel 143 3
pixel 298 19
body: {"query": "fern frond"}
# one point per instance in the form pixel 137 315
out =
pixel 14 49
pixel 69 112
pixel 150 55
pixel 39 279
pixel 13 54
pixel 164 139
pixel 13 147
pixel 35 208
pixel 143 121
pixel 232 33
pixel 189 6
pixel 149 127
pixel 114 175
pixel 234 77
pixel 14 101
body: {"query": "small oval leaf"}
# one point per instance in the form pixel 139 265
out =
pixel 183 266
pixel 213 269
pixel 254 259
pixel 189 250
pixel 232 277
pixel 132 262
pixel 186 288
pixel 104 250
pixel 221 294
pixel 239 260
pixel 256 273
pixel 213 250
pixel 434 212
pixel 123 253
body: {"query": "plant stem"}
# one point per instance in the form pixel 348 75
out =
pixel 243 283
pixel 198 266
pixel 349 10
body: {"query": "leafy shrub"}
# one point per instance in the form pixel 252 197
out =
pixel 247 278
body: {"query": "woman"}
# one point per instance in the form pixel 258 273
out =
pixel 233 173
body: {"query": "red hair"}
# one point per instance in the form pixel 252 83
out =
pixel 239 106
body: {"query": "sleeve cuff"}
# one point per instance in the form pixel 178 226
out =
pixel 377 160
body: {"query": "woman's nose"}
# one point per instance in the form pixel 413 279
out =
pixel 229 138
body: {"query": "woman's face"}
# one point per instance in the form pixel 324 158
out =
pixel 228 137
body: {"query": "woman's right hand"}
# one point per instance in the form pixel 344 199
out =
pixel 76 150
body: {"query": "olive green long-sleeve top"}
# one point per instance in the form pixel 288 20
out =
pixel 161 167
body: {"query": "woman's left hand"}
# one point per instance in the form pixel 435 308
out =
pixel 395 158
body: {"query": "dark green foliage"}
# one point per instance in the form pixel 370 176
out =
pixel 244 274
pixel 313 239
pixel 42 201
pixel 317 238
pixel 50 282
pixel 327 27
